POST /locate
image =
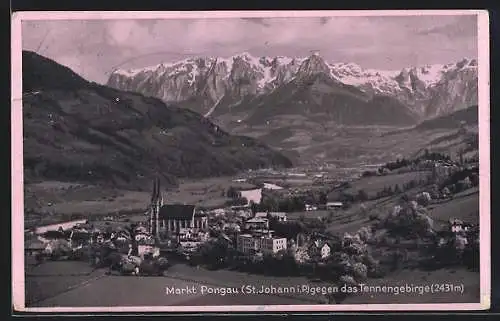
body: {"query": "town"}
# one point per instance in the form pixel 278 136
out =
pixel 341 231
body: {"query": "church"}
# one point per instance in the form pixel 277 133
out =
pixel 173 218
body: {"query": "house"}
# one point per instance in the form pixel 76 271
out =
pixel 457 226
pixel 310 207
pixel 142 236
pixel 219 212
pixel 239 207
pixel 260 215
pixel 231 227
pixel 189 246
pixel 147 247
pixel 244 214
pixel 334 205
pixel 260 232
pixel 280 216
pixel 272 186
pixel 247 244
pixel 319 249
pixel 257 223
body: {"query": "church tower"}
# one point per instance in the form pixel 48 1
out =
pixel 159 204
pixel 156 204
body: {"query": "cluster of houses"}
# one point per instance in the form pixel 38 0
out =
pixel 188 227
pixel 182 225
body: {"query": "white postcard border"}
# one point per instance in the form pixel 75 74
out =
pixel 18 278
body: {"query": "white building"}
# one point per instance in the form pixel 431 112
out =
pixel 457 226
pixel 321 249
pixel 257 223
pixel 272 186
pixel 143 249
pixel 310 207
pixel 281 216
pixel 247 243
pixel 231 227
pixel 219 212
pixel 334 205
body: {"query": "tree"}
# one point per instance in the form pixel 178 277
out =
pixel 323 198
pixel 474 179
pixel 362 195
pixel 232 192
pixel 269 204
pixel 254 207
pixel 240 201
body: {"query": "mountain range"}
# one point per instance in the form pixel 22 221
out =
pixel 260 88
pixel 79 131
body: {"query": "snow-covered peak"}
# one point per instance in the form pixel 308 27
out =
pixel 261 74
pixel 314 64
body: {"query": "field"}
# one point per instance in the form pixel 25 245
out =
pixel 344 145
pixel 464 207
pixel 308 214
pixel 150 291
pixel 53 278
pixel 374 184
pixel 51 199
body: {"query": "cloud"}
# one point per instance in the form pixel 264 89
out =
pixel 260 21
pixel 93 47
pixel 459 28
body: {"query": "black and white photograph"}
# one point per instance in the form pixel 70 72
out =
pixel 250 161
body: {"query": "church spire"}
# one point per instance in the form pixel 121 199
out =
pixel 154 193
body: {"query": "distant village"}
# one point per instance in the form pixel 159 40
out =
pixel 256 227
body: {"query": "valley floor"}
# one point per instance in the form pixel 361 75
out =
pixel 74 284
pixel 101 290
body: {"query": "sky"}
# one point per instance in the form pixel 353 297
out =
pixel 94 48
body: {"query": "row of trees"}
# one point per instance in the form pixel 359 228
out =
pixel 403 162
pixel 397 189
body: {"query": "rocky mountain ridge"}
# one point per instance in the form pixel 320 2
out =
pixel 428 91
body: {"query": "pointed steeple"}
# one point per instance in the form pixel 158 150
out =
pixel 160 194
pixel 154 193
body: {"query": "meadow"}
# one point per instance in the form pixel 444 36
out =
pixel 48 201
pixel 373 184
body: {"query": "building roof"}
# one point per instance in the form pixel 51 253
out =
pixel 176 212
pixel 257 220
pixel 274 214
pixel 245 235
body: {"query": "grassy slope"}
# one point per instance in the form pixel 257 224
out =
pixel 73 198
pixel 77 131
pixel 322 140
pixel 317 95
